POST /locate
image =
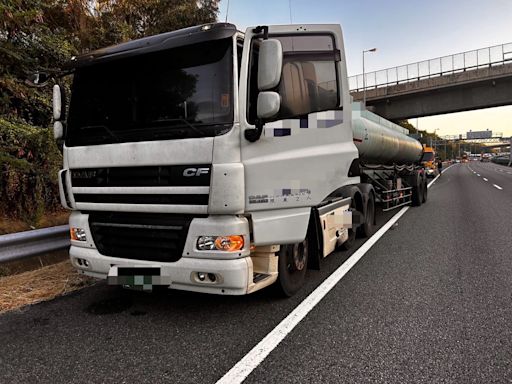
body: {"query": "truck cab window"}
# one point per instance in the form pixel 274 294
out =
pixel 309 81
pixel 183 92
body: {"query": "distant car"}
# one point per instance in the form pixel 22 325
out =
pixel 457 161
pixel 503 160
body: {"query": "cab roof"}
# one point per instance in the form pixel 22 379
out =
pixel 163 41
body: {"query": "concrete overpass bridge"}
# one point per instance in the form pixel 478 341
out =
pixel 461 82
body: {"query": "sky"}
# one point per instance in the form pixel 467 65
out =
pixel 403 32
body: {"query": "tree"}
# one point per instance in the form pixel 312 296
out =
pixel 42 35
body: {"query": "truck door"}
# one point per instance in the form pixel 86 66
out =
pixel 305 151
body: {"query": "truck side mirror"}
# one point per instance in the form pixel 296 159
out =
pixel 270 64
pixel 268 104
pixel 57 102
pixel 58 130
pixel 38 79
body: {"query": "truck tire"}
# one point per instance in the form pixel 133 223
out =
pixel 425 191
pixel 292 265
pixel 417 190
pixel 368 228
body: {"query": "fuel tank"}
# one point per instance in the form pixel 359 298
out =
pixel 380 141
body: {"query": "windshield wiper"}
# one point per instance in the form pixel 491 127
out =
pixel 104 128
pixel 178 119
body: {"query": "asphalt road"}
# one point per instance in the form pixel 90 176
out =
pixel 430 302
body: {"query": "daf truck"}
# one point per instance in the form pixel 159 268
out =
pixel 216 161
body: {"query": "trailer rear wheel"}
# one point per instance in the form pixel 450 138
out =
pixel 292 266
pixel 368 227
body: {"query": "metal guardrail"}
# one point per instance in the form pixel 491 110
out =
pixel 445 65
pixel 16 246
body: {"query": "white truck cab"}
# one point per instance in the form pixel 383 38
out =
pixel 214 161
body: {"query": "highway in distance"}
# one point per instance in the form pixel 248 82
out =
pixel 429 302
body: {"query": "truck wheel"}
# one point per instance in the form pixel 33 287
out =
pixel 368 228
pixel 292 266
pixel 425 191
pixel 417 190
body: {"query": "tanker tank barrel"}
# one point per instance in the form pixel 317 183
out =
pixel 379 141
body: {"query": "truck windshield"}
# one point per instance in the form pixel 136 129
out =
pixel 428 156
pixel 178 93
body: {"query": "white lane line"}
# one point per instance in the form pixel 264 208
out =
pixel 239 372
pixel 497 186
pixel 435 178
pixel 249 362
pixel 485 179
pixel 478 174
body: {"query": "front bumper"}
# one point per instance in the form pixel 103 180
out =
pixel 233 269
pixel 236 274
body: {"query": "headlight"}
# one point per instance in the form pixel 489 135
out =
pixel 220 243
pixel 77 234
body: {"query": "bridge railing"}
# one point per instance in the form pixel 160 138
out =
pixel 440 66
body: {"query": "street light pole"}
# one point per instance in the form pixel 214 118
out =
pixel 364 76
pixel 435 140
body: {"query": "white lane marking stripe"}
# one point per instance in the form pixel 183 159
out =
pixel 485 179
pixel 239 372
pixel 249 362
pixel 435 178
pixel 497 186
pixel 478 174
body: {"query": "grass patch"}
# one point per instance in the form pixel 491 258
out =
pixel 40 285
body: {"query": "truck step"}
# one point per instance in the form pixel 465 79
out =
pixel 257 277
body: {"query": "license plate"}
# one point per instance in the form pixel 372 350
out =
pixel 138 278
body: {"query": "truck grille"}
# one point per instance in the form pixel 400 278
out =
pixel 151 176
pixel 177 188
pixel 140 236
pixel 142 199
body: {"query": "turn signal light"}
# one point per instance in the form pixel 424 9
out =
pixel 220 243
pixel 229 243
pixel 77 234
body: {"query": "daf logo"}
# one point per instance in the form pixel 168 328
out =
pixel 189 172
pixel 84 174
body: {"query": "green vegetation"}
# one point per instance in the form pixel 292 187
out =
pixel 41 35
